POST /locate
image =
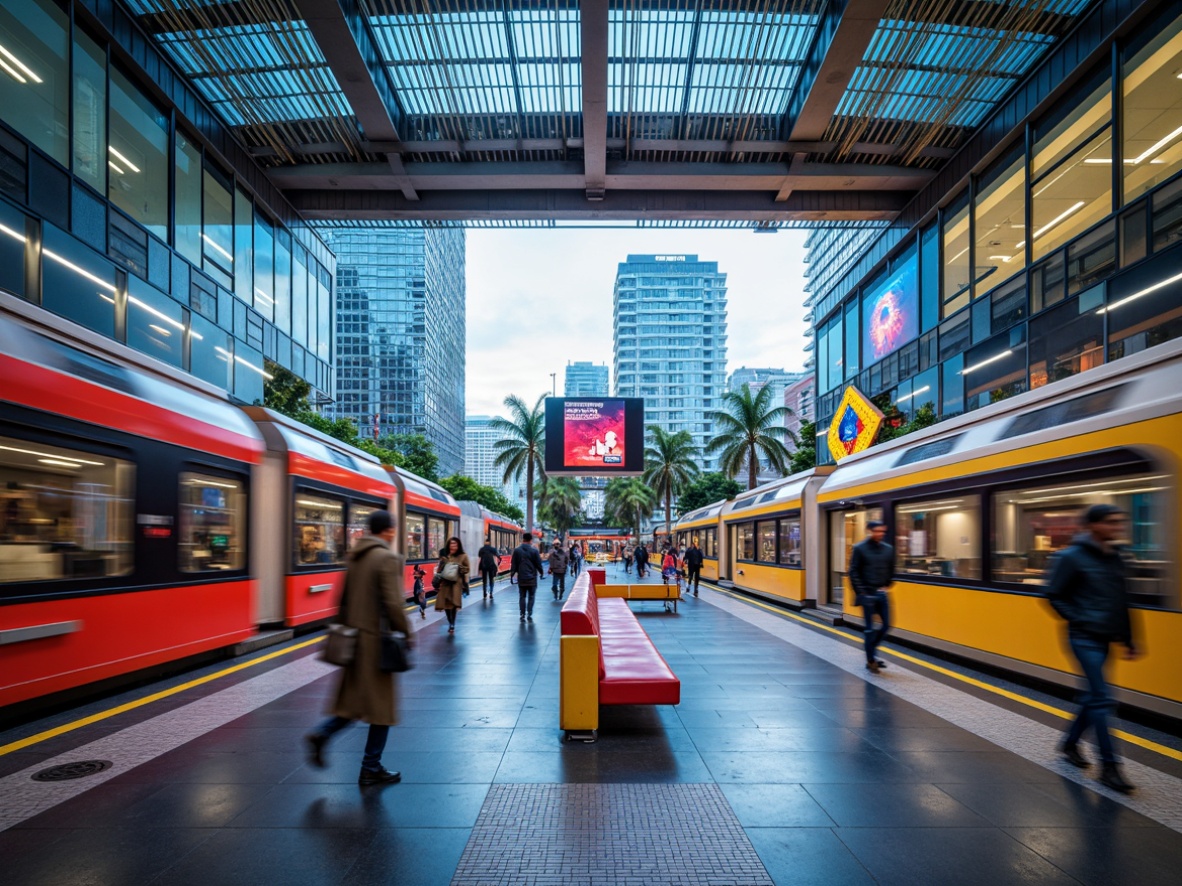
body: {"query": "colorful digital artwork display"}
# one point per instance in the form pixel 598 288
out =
pixel 594 436
pixel 854 425
pixel 890 314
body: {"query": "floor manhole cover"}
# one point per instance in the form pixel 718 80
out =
pixel 66 771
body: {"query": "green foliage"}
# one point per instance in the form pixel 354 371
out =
pixel 895 424
pixel 707 489
pixel 464 488
pixel 284 391
pixel 628 502
pixel 804 457
pixel 522 447
pixel 747 429
pixel 562 506
pixel 670 464
pixel 417 452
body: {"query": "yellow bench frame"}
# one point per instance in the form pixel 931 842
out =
pixel 663 592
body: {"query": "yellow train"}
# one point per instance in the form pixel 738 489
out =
pixel 975 507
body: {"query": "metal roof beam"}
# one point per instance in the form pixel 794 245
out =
pixel 593 34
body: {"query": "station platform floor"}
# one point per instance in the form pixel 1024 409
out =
pixel 785 763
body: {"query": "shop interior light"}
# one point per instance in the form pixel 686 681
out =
pixel 986 361
pixel 250 365
pixel 208 239
pixel 1156 146
pixel 122 159
pixel 83 461
pixel 12 72
pixel 11 233
pixel 1062 216
pixel 212 483
pixel 117 169
pixel 61 463
pixel 330 505
pixel 1148 289
pixel 20 64
pixel 82 272
pixel 912 394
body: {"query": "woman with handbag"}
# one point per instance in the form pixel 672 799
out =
pixel 452 573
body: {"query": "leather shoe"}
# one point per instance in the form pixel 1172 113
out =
pixel 315 744
pixel 881 664
pixel 379 776
pixel 1110 777
pixel 872 667
pixel 1074 757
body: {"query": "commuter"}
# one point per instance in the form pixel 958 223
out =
pixel 576 559
pixel 872 570
pixel 1089 589
pixel 641 561
pixel 693 565
pixel 365 692
pixel 628 554
pixel 489 559
pixel 525 569
pixel 557 566
pixel 420 594
pixel 452 575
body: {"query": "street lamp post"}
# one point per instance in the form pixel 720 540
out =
pixel 553 384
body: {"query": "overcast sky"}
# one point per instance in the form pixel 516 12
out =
pixel 538 299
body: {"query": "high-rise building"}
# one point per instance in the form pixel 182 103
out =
pixel 757 379
pixel 670 341
pixel 799 397
pixel 585 379
pixel 400 333
pixel 480 454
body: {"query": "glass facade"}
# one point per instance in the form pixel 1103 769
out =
pixel 1057 257
pixel 153 237
pixel 669 340
pixel 399 332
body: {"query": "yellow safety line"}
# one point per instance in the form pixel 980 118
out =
pixel 980 684
pixel 148 699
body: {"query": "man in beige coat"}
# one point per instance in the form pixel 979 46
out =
pixel 374 582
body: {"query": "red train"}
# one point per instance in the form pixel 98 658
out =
pixel 144 519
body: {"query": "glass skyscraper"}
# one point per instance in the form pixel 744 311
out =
pixel 585 379
pixel 480 454
pixel 670 341
pixel 400 333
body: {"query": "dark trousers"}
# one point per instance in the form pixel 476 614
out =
pixel 1092 655
pixel 875 604
pixel 558 585
pixel 374 745
pixel 487 579
pixel 693 574
pixel 525 596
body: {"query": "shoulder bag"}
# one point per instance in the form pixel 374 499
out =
pixel 340 647
pixel 450 571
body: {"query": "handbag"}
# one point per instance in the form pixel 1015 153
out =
pixel 450 572
pixel 395 658
pixel 340 645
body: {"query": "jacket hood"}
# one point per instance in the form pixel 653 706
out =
pixel 364 544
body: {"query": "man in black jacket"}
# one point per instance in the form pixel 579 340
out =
pixel 557 564
pixel 872 570
pixel 641 560
pixel 489 560
pixel 1088 589
pixel 526 568
pixel 693 565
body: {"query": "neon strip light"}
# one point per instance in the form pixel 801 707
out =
pixel 155 313
pixel 20 64
pixel 11 70
pixel 11 233
pixel 111 163
pixel 987 361
pixel 120 156
pixel 913 394
pixel 77 270
pixel 1060 217
pixel 1158 145
pixel 1148 289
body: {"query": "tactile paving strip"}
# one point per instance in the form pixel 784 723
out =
pixel 608 835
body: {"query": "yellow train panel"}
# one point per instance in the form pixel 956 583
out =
pixel 710 570
pixel 780 582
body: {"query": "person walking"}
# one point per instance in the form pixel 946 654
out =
pixel 872 571
pixel 628 560
pixel 420 593
pixel 452 573
pixel 373 582
pixel 1089 589
pixel 693 565
pixel 641 560
pixel 576 559
pixel 557 567
pixel 488 559
pixel 526 568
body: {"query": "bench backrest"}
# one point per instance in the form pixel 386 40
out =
pixel 580 614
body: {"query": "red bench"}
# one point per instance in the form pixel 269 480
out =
pixel 606 658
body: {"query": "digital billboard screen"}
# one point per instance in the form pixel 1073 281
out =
pixel 593 436
pixel 890 314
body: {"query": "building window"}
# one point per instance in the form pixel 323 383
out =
pixel 319 529
pixel 1141 315
pixel 1067 340
pixel 76 283
pixel 64 513
pixel 999 225
pixel 790 542
pixel 243 246
pixel 90 112
pixel 211 354
pixel 138 165
pixel 186 211
pixel 996 369
pixel 155 323
pixel 35 74
pixel 249 374
pixel 264 267
pixel 956 259
pixel 12 249
pixel 217 232
pixel 1167 216
pixel 1152 109
pixel 212 535
pixel 940 537
pixel 1091 258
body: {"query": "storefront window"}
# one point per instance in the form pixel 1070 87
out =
pixel 76 283
pixel 765 534
pixel 1067 340
pixel 64 513
pixel 35 74
pixel 359 521
pixel 999 219
pixel 138 156
pixel 956 260
pixel 415 526
pixel 155 323
pixel 1152 111
pixel 941 537
pixel 790 542
pixel 90 112
pixel 1033 522
pixel 319 529
pixel 846 529
pixel 187 210
pixel 746 541
pixel 436 536
pixel 212 524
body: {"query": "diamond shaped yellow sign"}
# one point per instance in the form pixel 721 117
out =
pixel 854 425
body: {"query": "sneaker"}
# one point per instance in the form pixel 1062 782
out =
pixel 523 618
pixel 315 744
pixel 529 618
pixel 1110 777
pixel 379 776
pixel 486 595
pixel 451 629
pixel 1074 757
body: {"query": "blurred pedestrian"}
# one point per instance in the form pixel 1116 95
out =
pixel 628 553
pixel 489 561
pixel 419 592
pixel 373 583
pixel 557 568
pixel 872 571
pixel 1089 589
pixel 641 561
pixel 452 573
pixel 693 565
pixel 526 569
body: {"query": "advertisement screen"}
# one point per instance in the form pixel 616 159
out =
pixel 594 436
pixel 890 314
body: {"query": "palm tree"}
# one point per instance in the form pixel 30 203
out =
pixel 670 464
pixel 748 427
pixel 561 503
pixel 522 447
pixel 628 502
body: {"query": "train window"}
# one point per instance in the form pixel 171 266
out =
pixel 358 521
pixel 746 541
pixel 436 536
pixel 939 537
pixel 63 513
pixel 1033 522
pixel 212 524
pixel 765 534
pixel 414 536
pixel 1061 413
pixel 846 529
pixel 319 530
pixel 710 543
pixel 790 542
pixel 925 451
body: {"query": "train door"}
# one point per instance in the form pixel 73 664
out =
pixel 846 529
